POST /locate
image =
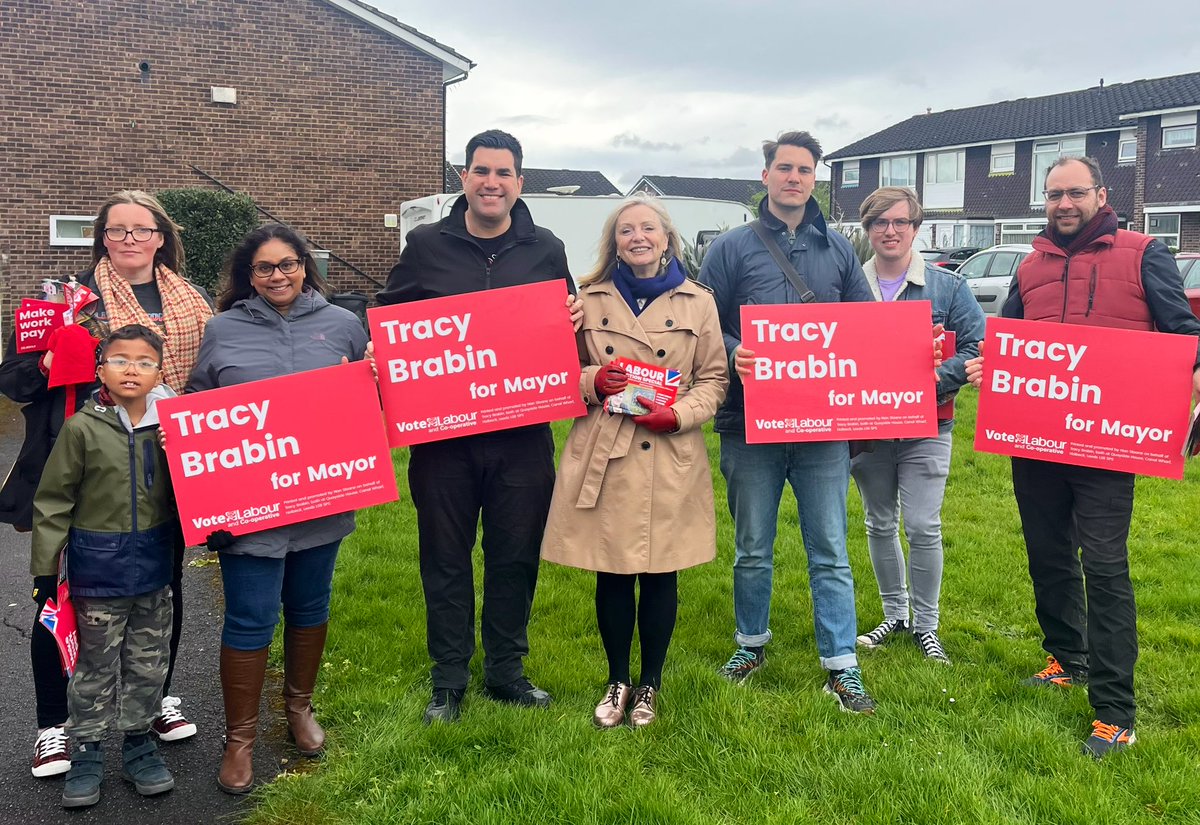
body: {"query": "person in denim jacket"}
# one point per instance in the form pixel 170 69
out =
pixel 907 476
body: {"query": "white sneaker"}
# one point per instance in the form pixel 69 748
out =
pixel 50 756
pixel 172 725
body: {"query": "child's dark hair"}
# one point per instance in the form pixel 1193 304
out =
pixel 133 332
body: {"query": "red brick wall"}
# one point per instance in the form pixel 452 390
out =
pixel 336 123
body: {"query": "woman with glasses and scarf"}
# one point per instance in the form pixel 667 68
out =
pixel 274 321
pixel 633 499
pixel 135 277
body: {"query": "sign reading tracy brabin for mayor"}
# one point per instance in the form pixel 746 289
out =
pixel 279 451
pixel 830 372
pixel 1092 396
pixel 476 363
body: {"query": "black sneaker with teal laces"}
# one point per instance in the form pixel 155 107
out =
pixel 847 687
pixel 743 662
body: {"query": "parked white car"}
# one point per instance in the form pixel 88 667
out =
pixel 990 272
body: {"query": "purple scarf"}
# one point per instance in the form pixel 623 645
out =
pixel 1102 223
pixel 633 288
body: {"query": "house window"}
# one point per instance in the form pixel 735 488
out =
pixel 945 167
pixel 1165 228
pixel 850 174
pixel 1004 159
pixel 1127 148
pixel 1020 232
pixel 71 230
pixel 1178 130
pixel 1179 137
pixel 898 171
pixel 1045 152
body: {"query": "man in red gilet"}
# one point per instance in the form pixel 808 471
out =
pixel 1084 270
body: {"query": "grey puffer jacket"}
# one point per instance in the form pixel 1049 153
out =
pixel 251 341
pixel 739 270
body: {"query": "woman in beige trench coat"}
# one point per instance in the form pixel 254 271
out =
pixel 633 500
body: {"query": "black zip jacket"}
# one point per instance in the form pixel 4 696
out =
pixel 442 258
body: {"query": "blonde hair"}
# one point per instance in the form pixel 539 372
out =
pixel 606 261
pixel 170 254
pixel 884 198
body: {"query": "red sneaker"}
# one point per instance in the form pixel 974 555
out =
pixel 172 725
pixel 50 756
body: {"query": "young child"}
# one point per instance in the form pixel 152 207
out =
pixel 105 497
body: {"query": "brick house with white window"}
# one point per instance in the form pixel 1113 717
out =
pixel 327 113
pixel 979 172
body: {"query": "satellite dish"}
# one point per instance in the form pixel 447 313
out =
pixel 563 190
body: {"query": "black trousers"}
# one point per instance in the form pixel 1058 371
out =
pixel 508 477
pixel 1076 525
pixel 49 681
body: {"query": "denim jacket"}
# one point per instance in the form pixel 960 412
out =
pixel 953 305
pixel 740 270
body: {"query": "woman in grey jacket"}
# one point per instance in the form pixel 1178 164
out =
pixel 274 321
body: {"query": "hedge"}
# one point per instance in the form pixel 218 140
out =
pixel 213 222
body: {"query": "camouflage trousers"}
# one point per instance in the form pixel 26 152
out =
pixel 125 637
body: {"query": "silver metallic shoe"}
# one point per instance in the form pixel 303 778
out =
pixel 611 712
pixel 643 711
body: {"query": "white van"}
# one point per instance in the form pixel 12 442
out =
pixel 577 221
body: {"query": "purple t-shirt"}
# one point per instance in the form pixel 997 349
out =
pixel 889 288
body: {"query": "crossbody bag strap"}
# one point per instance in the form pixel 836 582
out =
pixel 797 282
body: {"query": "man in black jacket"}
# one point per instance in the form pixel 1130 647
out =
pixel 488 241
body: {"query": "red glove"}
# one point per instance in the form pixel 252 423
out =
pixel 660 419
pixel 610 379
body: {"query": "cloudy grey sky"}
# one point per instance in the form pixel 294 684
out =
pixel 692 88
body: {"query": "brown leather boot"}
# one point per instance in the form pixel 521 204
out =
pixel 242 673
pixel 302 649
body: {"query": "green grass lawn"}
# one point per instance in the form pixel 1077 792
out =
pixel 958 744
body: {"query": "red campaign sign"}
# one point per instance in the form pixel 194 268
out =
pixel 476 363
pixel 1091 396
pixel 831 372
pixel 280 451
pixel 949 349
pixel 34 321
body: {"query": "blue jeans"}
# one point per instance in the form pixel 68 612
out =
pixel 819 473
pixel 255 587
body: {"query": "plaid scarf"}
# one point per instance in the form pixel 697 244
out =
pixel 185 313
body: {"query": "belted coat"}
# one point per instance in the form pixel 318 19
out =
pixel 629 500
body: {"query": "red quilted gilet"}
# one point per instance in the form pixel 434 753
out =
pixel 1100 286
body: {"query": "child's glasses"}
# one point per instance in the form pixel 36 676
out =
pixel 144 367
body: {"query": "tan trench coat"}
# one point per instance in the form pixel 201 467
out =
pixel 628 500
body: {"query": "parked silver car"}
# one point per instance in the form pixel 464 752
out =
pixel 990 272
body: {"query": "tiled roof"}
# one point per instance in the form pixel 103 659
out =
pixel 375 15
pixel 590 182
pixel 1099 107
pixel 724 189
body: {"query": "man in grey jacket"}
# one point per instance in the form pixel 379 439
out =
pixel 740 270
